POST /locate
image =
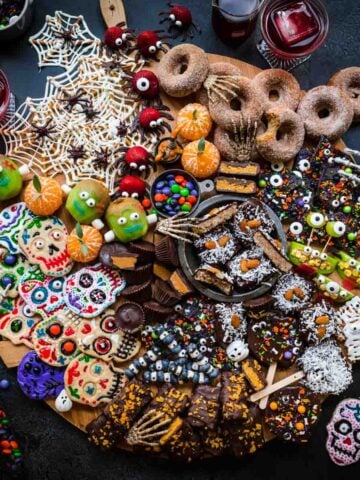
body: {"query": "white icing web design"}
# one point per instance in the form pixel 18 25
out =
pixel 52 136
pixel 63 40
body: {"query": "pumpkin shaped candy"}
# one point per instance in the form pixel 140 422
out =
pixel 84 243
pixel 201 159
pixel 193 122
pixel 43 196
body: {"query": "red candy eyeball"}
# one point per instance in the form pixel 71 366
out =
pixel 115 37
pixel 137 157
pixel 131 186
pixel 150 118
pixel 180 16
pixel 146 83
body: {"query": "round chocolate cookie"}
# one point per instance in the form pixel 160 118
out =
pixel 275 339
pixel 291 413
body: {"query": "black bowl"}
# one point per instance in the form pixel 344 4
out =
pixel 189 260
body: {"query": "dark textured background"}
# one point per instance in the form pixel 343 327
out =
pixel 54 449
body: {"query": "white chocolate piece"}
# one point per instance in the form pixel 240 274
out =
pixel 109 236
pixel 151 219
pixel 98 224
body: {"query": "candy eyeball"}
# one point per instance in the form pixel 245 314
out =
pixel 315 253
pixel 172 17
pixel 122 221
pixel 143 84
pixel 315 220
pixel 277 167
pixel 296 228
pixel 178 23
pixel 159 44
pixel 333 288
pixel 352 262
pixel 134 216
pixel 343 199
pixel 153 124
pixel 152 49
pixel 276 181
pixel 335 203
pixel 90 202
pixel 304 165
pixel 118 42
pixel 308 250
pixel 343 293
pixel 124 37
pixel 324 256
pixel 84 195
pixel 39 244
pixel 335 229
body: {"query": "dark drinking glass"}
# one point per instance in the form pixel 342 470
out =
pixel 4 95
pixel 234 20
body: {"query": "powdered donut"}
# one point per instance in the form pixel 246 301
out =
pixel 326 111
pixel 221 69
pixel 348 80
pixel 228 111
pixel 228 145
pixel 280 88
pixel 284 135
pixel 183 70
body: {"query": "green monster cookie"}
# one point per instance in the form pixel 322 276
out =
pixel 127 220
pixel 10 178
pixel 87 202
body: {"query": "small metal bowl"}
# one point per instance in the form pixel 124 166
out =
pixel 189 259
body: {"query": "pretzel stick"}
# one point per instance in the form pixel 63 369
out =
pixel 277 386
pixel 269 379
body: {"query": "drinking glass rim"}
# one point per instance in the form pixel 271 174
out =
pixel 254 12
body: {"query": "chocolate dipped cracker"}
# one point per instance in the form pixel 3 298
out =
pixel 205 407
pixel 215 442
pixel 102 433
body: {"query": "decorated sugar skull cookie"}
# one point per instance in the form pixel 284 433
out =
pixel 92 381
pixel 43 295
pixel 90 290
pixel 10 178
pixel 39 380
pixel 343 442
pixel 87 202
pixel 55 341
pixel 12 220
pixel 43 240
pixel 102 338
pixel 18 324
pixel 12 267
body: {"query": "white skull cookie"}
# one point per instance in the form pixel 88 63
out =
pixel 102 338
pixel 44 242
pixel 91 381
pixel 92 289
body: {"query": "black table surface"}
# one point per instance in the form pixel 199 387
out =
pixel 54 449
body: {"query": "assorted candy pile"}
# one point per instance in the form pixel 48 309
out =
pixel 110 317
pixel 10 12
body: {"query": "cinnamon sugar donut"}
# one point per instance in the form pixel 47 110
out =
pixel 283 137
pixel 280 88
pixel 326 111
pixel 348 80
pixel 229 111
pixel 183 70
pixel 227 142
pixel 222 69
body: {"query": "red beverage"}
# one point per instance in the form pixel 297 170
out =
pixel 294 29
pixel 234 20
pixel 4 95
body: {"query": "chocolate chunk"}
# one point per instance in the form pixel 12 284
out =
pixel 254 374
pixel 130 317
pixel 234 392
pixel 205 407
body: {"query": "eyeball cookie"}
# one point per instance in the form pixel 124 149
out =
pixel 250 268
pixel 218 246
pixel 292 293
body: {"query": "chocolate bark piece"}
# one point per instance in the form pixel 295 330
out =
pixel 254 374
pixel 247 437
pixel 127 406
pixel 215 442
pixel 205 407
pixel 273 254
pixel 185 444
pixel 291 412
pixel 257 308
pixel 180 284
pixel 234 392
pixel 118 255
pixel 245 169
pixel 170 400
pixel 215 218
pixel 214 277
pixel 241 186
pixel 102 433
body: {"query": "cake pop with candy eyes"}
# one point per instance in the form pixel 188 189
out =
pixel 119 38
pixel 135 160
pixel 145 84
pixel 11 178
pixel 149 44
pixel 152 119
pixel 180 21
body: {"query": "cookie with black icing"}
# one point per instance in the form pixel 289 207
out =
pixel 291 412
pixel 275 339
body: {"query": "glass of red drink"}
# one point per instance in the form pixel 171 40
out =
pixel 4 95
pixel 235 20
pixel 291 31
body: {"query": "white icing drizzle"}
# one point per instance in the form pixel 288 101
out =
pixel 291 281
pixel 308 326
pixel 225 313
pixel 348 322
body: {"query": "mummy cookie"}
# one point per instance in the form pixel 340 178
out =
pixel 318 322
pixel 91 381
pixel 275 339
pixel 292 293
pixel 216 247
pixel 250 268
pixel 343 431
pixel 43 240
pixel 92 289
pixel 101 337
pixel 17 325
pixel 348 321
pixel 39 380
pixel 291 412
pixel 12 220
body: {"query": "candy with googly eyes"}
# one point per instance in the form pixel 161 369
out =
pixel 349 270
pixel 332 290
pixel 317 261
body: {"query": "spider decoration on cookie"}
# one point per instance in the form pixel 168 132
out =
pixel 119 38
pixel 152 119
pixel 180 21
pixel 43 131
pixel 149 44
pixel 135 160
pixel 144 84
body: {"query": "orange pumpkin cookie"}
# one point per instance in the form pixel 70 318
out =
pixel 84 243
pixel 193 122
pixel 201 159
pixel 43 196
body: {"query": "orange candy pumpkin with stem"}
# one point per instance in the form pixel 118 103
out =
pixel 84 243
pixel 43 196
pixel 193 122
pixel 201 159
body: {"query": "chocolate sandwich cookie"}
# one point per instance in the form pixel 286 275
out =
pixel 291 412
pixel 234 392
pixel 205 407
pixel 275 339
pixel 247 437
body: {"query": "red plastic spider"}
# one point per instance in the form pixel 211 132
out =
pixel 152 119
pixel 149 44
pixel 180 21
